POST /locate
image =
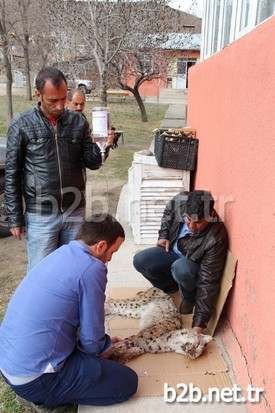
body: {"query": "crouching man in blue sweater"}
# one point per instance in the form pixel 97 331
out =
pixel 53 334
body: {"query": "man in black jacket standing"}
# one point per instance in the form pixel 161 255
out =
pixel 190 254
pixel 48 149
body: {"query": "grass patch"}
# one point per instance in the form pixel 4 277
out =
pixel 9 403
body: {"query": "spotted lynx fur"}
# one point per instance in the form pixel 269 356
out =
pixel 160 323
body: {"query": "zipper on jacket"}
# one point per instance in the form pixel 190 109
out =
pixel 59 167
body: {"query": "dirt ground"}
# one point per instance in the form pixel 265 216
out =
pixel 102 196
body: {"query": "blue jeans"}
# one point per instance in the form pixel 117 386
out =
pixel 168 271
pixel 84 379
pixel 47 232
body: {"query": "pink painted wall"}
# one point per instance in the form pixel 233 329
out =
pixel 231 103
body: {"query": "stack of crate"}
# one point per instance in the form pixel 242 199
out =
pixel 150 187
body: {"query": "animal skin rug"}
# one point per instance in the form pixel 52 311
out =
pixel 160 323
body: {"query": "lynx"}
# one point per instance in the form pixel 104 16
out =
pixel 161 329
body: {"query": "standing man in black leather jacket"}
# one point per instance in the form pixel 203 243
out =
pixel 190 254
pixel 48 149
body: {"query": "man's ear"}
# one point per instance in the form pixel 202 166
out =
pixel 37 94
pixel 98 249
pixel 101 247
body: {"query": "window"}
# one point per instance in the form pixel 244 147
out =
pixel 217 10
pixel 266 8
pixel 181 66
pixel 244 14
pixel 226 20
pixel 227 15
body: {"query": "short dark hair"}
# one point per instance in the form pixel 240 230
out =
pixel 49 73
pixel 99 227
pixel 199 204
pixel 73 91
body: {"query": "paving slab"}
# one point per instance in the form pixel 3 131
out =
pixel 173 123
pixel 176 112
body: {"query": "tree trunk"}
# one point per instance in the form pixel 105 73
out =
pixel 27 73
pixel 8 72
pixel 7 62
pixel 9 90
pixel 138 98
pixel 141 106
pixel 103 89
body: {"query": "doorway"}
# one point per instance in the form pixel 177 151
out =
pixel 183 65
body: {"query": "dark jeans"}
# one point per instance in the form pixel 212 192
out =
pixel 165 270
pixel 84 379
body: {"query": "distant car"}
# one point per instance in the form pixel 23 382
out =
pixel 72 83
pixel 83 84
pixel 4 227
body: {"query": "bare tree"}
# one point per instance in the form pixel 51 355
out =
pixel 145 57
pixel 138 67
pixel 4 35
pixel 101 28
pixel 33 33
pixel 24 15
pixel 105 28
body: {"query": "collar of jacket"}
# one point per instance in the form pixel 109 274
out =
pixel 202 233
pixel 62 118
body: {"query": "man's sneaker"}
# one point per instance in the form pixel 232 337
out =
pixel 186 307
pixel 38 408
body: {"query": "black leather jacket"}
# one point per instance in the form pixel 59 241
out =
pixel 45 164
pixel 208 248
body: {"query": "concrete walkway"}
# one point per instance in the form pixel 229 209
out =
pixel 123 274
pixel 175 116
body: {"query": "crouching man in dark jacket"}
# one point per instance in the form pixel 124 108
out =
pixel 190 254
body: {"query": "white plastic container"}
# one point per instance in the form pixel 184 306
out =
pixel 101 122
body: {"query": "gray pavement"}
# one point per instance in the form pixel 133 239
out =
pixel 175 116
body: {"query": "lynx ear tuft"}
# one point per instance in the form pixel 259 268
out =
pixel 206 338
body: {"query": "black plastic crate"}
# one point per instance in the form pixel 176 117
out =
pixel 176 151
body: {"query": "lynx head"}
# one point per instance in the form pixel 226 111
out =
pixel 194 343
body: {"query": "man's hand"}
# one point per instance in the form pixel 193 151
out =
pixel 116 339
pixel 17 232
pixel 164 243
pixel 198 330
pixel 111 136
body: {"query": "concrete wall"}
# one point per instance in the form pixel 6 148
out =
pixel 231 103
